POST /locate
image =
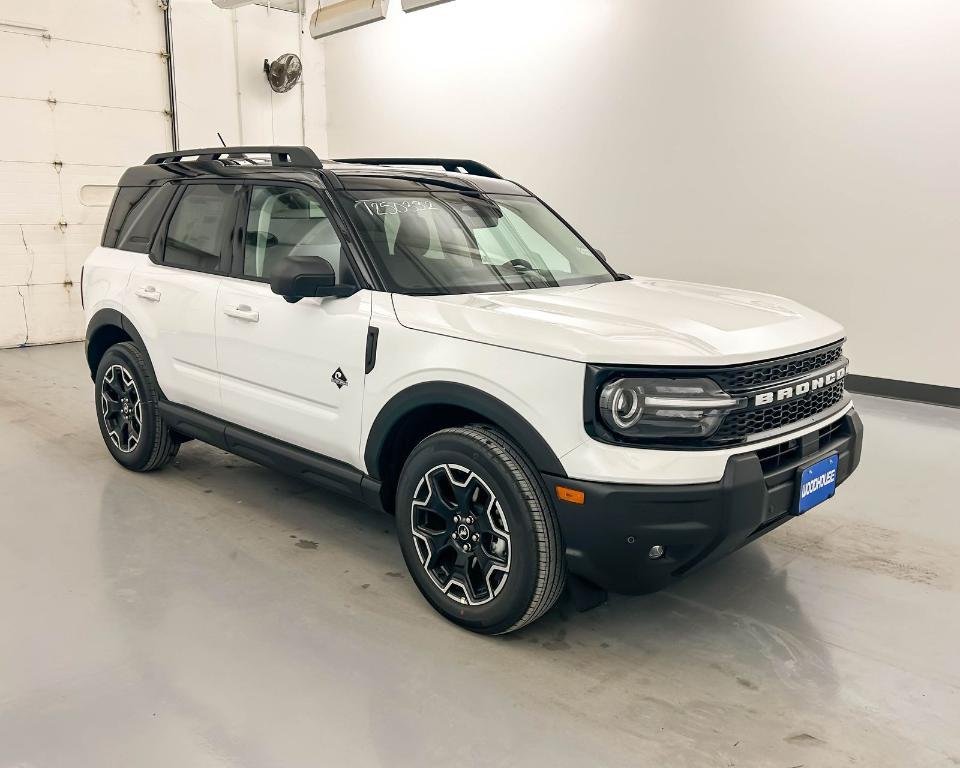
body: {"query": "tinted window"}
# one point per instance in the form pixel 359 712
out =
pixel 122 202
pixel 199 227
pixel 288 221
pixel 457 242
pixel 135 216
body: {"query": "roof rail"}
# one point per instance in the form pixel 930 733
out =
pixel 300 156
pixel 447 163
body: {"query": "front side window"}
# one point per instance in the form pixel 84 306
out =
pixel 461 242
pixel 285 221
pixel 199 229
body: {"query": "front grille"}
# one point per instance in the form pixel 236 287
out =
pixel 736 380
pixel 742 424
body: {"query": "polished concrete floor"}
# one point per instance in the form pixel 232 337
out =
pixel 219 614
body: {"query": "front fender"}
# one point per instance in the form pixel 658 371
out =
pixel 436 393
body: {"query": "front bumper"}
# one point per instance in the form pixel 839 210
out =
pixel 609 536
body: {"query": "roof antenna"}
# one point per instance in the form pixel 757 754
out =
pixel 222 142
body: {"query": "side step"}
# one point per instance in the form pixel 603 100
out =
pixel 270 452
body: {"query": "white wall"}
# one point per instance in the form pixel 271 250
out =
pixel 220 81
pixel 802 147
pixel 82 96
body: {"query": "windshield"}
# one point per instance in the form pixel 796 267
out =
pixel 460 242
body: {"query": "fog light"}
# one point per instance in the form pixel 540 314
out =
pixel 656 552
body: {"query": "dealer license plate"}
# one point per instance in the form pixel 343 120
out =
pixel 818 483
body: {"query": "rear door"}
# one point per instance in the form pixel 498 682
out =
pixel 293 371
pixel 172 298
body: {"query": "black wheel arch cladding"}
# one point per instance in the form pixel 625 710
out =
pixel 106 328
pixel 447 393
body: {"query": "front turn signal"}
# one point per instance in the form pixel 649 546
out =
pixel 569 494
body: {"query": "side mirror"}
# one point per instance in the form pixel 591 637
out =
pixel 255 238
pixel 304 276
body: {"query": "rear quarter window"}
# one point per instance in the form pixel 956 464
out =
pixel 135 217
pixel 197 235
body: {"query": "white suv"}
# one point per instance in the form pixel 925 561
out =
pixel 435 340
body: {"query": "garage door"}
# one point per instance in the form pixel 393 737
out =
pixel 83 95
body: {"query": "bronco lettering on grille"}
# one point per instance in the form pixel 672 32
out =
pixel 797 390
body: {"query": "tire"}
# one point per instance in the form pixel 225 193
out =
pixel 477 531
pixel 127 403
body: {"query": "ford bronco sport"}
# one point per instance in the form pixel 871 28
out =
pixel 435 340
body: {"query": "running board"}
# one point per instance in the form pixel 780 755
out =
pixel 268 451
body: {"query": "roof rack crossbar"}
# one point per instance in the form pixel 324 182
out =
pixel 299 156
pixel 447 163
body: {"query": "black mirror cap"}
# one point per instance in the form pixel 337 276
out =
pixel 299 277
pixel 267 239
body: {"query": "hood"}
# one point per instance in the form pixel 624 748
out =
pixel 643 321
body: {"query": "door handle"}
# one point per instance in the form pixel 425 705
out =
pixel 242 312
pixel 149 293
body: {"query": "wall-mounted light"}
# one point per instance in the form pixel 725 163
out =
pixel 416 5
pixel 275 5
pixel 341 15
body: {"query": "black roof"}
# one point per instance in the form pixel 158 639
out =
pixel 302 164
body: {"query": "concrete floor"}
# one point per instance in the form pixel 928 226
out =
pixel 219 614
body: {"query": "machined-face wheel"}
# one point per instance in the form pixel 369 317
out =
pixel 477 530
pixel 121 408
pixel 460 534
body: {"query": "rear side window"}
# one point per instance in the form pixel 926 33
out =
pixel 200 226
pixel 135 216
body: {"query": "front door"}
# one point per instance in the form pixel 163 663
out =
pixel 293 371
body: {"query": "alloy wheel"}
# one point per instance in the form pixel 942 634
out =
pixel 120 408
pixel 461 534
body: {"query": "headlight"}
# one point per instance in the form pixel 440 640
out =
pixel 664 408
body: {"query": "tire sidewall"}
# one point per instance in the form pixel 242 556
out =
pixel 139 456
pixel 504 610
